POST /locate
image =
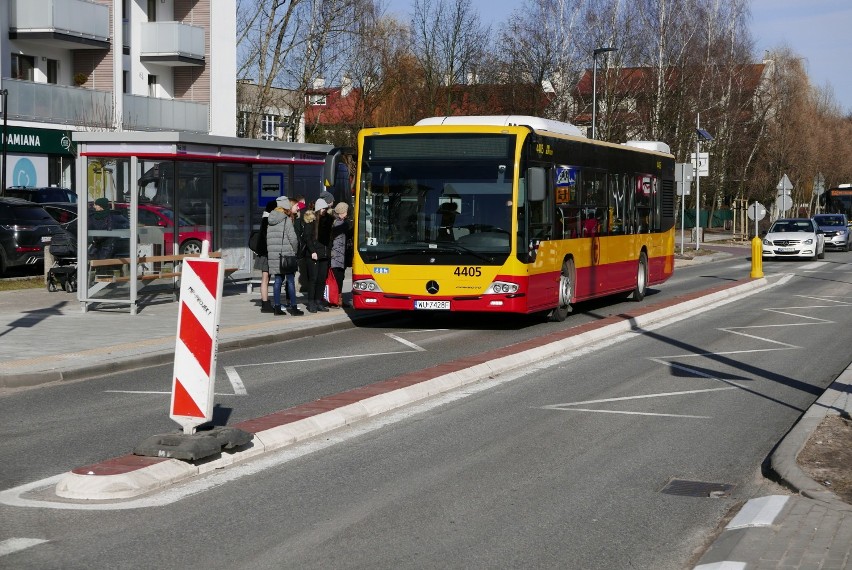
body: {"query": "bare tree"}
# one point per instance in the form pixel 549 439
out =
pixel 289 44
pixel 447 41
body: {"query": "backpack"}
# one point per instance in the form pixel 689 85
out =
pixel 254 241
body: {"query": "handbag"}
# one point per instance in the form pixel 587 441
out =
pixel 289 264
pixel 331 293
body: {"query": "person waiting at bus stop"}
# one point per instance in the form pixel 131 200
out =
pixel 102 246
pixel 318 254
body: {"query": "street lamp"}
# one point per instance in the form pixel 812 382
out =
pixel 595 54
pixel 701 135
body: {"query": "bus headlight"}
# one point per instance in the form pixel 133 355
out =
pixel 502 288
pixel 367 285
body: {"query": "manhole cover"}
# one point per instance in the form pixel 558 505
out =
pixel 697 488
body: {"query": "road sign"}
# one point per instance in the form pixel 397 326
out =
pixel 194 375
pixel 703 167
pixel 784 185
pixel 784 203
pixel 819 184
pixel 683 177
pixel 756 212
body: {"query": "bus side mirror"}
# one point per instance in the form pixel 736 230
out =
pixel 536 184
pixel 332 159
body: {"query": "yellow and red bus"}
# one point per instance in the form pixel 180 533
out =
pixel 507 214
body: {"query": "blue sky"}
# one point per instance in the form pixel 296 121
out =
pixel 816 30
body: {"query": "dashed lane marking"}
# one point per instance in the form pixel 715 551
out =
pixel 12 545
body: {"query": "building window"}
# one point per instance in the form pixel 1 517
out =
pixel 267 127
pixel 317 99
pixel 124 75
pixel 152 86
pixel 152 10
pixel 23 67
pixel 52 71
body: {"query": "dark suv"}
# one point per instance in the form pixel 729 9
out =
pixel 40 195
pixel 25 228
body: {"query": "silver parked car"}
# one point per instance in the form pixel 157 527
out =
pixel 836 230
pixel 794 237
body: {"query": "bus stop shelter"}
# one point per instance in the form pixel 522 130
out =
pixel 165 193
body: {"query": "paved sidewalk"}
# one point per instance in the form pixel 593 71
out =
pixel 46 338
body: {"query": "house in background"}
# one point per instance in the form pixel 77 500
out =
pixel 268 114
pixel 625 96
pixel 119 65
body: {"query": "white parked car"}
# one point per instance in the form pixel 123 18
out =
pixel 836 230
pixel 794 237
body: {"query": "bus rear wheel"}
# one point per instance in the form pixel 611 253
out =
pixel 641 278
pixel 567 278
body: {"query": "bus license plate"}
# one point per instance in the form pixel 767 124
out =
pixel 432 305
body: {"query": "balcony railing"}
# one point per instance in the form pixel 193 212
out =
pixel 173 42
pixel 49 103
pixel 152 114
pixel 65 20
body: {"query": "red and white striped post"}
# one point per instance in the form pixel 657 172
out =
pixel 202 279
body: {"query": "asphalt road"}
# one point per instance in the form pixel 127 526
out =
pixel 562 466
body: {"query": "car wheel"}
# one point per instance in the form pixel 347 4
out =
pixel 190 247
pixel 641 278
pixel 821 254
pixel 567 278
pixel 2 263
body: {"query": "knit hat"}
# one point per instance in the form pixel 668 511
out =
pixel 103 203
pixel 283 202
pixel 320 204
pixel 341 208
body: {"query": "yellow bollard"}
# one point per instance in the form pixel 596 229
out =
pixel 756 258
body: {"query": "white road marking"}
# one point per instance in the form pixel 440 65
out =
pixel 633 413
pixel 156 393
pixel 236 381
pixel 12 545
pixel 640 397
pixel 732 331
pixel 405 342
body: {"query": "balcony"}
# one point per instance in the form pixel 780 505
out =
pixel 60 104
pixel 172 44
pixel 48 103
pixel 65 24
pixel 152 114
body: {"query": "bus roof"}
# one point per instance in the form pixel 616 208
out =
pixel 536 123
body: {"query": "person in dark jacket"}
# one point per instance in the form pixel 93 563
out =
pixel 100 220
pixel 318 253
pixel 262 260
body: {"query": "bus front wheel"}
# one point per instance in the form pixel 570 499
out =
pixel 641 278
pixel 567 278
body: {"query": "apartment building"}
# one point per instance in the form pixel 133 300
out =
pixel 110 65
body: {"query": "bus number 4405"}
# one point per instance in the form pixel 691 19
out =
pixel 468 272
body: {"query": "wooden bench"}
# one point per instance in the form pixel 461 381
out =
pixel 150 259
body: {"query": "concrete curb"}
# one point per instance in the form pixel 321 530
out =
pixel 101 484
pixel 836 398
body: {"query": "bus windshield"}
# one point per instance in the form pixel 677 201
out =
pixel 436 193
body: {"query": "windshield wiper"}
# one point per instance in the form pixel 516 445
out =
pixel 458 248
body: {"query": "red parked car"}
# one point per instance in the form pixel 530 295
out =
pixel 190 235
